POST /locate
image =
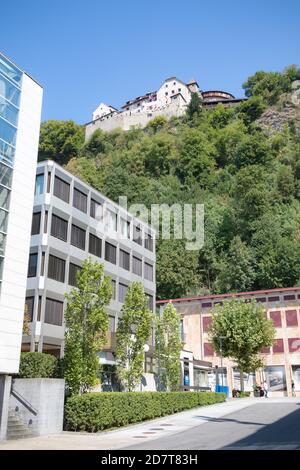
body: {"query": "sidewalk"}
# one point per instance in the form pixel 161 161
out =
pixel 130 435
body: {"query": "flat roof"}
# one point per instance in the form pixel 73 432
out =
pixel 89 187
pixel 235 294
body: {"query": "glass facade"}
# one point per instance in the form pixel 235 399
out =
pixel 10 92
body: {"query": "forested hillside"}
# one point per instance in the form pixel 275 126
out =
pixel 242 163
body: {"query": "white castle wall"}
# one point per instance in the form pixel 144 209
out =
pixel 127 121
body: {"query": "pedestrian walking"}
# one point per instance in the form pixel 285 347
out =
pixel 293 389
pixel 266 389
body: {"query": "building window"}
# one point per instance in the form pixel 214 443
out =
pixel 39 309
pixel 137 235
pixel 59 228
pixel 136 266
pixel 208 350
pixel 122 292
pixel 56 268
pixel 39 185
pixel 125 228
pixel 2 243
pixel 166 93
pixel 206 322
pixel 32 265
pixel 112 218
pixel 48 181
pixel 80 200
pixel 54 312
pixel 110 253
pixel 148 242
pixel 148 272
pixel 96 210
pixel 46 222
pixel 150 301
pixel 29 306
pixel 78 237
pixel 73 272
pixel 43 263
pixel 4 197
pixel 278 346
pixel 113 285
pixel 179 90
pixel 95 244
pixel 276 318
pixel 3 220
pixel 61 189
pixel 291 318
pixel 124 260
pixel 5 175
pixel 36 223
pixel 294 344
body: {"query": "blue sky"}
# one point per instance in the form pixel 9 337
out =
pixel 87 51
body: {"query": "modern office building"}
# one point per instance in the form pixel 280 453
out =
pixel 282 360
pixel 71 222
pixel 20 111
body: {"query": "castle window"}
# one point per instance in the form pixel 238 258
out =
pixel 166 93
pixel 179 90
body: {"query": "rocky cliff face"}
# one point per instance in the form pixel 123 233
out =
pixel 287 111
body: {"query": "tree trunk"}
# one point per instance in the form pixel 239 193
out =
pixel 242 380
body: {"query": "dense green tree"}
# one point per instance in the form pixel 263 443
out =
pixel 60 140
pixel 194 105
pixel 133 332
pixel 178 275
pixel 237 273
pixel 240 330
pixel 86 327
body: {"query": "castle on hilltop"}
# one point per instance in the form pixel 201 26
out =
pixel 171 99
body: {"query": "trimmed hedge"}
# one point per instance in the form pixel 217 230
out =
pixel 245 394
pixel 35 365
pixel 94 412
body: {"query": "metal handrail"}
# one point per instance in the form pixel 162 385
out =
pixel 23 401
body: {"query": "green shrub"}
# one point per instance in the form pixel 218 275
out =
pixel 37 365
pixel 94 412
pixel 245 394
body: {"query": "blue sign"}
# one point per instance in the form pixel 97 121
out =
pixel 186 379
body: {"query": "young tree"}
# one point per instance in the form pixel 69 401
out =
pixel 239 331
pixel 86 326
pixel 169 347
pixel 133 332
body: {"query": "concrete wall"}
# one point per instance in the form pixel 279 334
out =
pixel 46 396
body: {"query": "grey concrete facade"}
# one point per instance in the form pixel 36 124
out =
pixel 46 333
pixel 40 404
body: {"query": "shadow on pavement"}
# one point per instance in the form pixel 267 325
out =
pixel 229 420
pixel 282 434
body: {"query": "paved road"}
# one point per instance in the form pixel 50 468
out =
pixel 250 423
pixel 263 425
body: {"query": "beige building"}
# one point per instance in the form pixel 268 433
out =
pixel 282 360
